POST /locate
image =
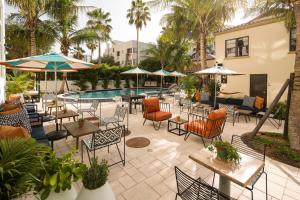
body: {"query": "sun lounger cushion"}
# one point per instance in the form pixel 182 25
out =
pixel 259 102
pixel 151 105
pixel 13 132
pixel 248 101
pixel 158 116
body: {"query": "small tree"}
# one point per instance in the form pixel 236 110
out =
pixel 189 84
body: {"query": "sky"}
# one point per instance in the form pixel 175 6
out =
pixel 121 29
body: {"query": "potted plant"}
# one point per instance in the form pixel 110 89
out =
pixel 189 84
pixel 95 185
pixel 80 122
pixel 20 161
pixel 225 151
pixel 56 179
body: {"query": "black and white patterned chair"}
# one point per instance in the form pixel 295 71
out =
pixel 102 139
pixel 117 118
pixel 231 112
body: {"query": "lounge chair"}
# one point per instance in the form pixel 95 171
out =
pixel 209 127
pixel 156 112
pixel 92 110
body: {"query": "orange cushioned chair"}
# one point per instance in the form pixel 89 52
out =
pixel 13 132
pixel 208 128
pixel 156 112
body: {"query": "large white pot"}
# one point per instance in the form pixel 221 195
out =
pixel 105 192
pixel 63 195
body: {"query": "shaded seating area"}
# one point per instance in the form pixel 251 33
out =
pixel 209 127
pixel 189 188
pixel 156 112
pixel 102 139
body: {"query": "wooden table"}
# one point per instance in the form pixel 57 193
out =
pixel 61 115
pixel 76 131
pixel 57 106
pixel 246 114
pixel 130 100
pixel 241 174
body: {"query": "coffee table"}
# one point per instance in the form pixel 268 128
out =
pixel 69 113
pixel 76 131
pixel 246 113
pixel 178 130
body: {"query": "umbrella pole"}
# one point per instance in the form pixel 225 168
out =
pixel 137 84
pixel 56 108
pixel 215 100
pixel 45 95
pixel 161 80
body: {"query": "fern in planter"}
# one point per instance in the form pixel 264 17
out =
pixel 96 175
pixel 225 151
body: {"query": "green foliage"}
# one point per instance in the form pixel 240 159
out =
pixel 81 83
pixel 211 87
pixel 58 173
pixel 138 14
pixel 20 163
pixel 225 151
pixel 18 83
pixel 280 110
pixel 150 64
pixel 286 151
pixel 109 60
pixel 189 84
pixel 96 175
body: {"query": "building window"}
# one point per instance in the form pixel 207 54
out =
pixel 129 50
pixel 293 39
pixel 118 53
pixel 237 47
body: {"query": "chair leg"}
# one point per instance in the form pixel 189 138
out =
pixel 187 135
pixel 251 194
pixel 203 141
pixel 122 159
pixel 266 185
pixel 87 151
pixel 82 152
pixel 144 122
pixel 156 127
pixel 176 196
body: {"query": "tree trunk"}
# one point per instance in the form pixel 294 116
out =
pixel 32 42
pixel 294 113
pixel 202 51
pixel 137 47
pixel 92 52
pixel 99 48
pixel 65 50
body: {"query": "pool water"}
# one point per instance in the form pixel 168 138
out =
pixel 108 94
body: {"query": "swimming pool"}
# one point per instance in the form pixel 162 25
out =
pixel 106 95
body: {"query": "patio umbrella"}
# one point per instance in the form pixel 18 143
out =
pixel 177 74
pixel 136 71
pixel 48 62
pixel 217 70
pixel 162 73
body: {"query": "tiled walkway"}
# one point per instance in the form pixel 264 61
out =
pixel 149 172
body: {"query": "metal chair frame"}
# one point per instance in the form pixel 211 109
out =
pixel 237 141
pixel 105 138
pixel 231 111
pixel 92 110
pixel 117 118
pixel 275 122
pixel 214 132
pixel 165 107
pixel 189 188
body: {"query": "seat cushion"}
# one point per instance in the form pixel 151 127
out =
pixel 151 105
pixel 197 126
pixel 259 102
pixel 248 101
pixel 158 116
pixel 13 132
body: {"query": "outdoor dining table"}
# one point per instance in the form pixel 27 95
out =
pixel 65 114
pixel 130 99
pixel 242 174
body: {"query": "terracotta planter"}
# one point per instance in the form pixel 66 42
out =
pixel 105 192
pixel 63 195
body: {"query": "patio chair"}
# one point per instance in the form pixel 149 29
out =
pixel 117 118
pixel 232 113
pixel 238 142
pixel 209 127
pixel 156 111
pixel 92 110
pixel 185 104
pixel 102 139
pixel 272 118
pixel 189 188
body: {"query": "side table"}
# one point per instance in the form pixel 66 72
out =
pixel 178 129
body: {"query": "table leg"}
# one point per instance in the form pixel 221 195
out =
pixel 130 106
pixel 74 118
pixel 60 123
pixel 77 142
pixel 224 186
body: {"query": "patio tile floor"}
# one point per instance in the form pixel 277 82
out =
pixel 149 172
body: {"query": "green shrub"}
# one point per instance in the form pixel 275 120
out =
pixel 127 85
pixel 284 150
pixel 20 164
pixel 105 83
pixel 81 83
pixel 19 83
pixel 280 110
pixel 188 84
pixel 211 87
pixel 96 175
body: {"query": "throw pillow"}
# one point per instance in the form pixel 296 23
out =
pixel 205 96
pixel 248 101
pixel 259 102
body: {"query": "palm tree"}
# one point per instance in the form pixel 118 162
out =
pixel 91 46
pixel 138 15
pixel 31 11
pixel 204 16
pixel 289 10
pixel 99 22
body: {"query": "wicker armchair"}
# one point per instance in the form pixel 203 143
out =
pixel 209 127
pixel 156 112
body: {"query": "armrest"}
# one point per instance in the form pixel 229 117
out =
pixel 193 117
pixel 165 107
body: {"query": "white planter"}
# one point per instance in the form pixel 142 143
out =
pixel 63 195
pixel 105 192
